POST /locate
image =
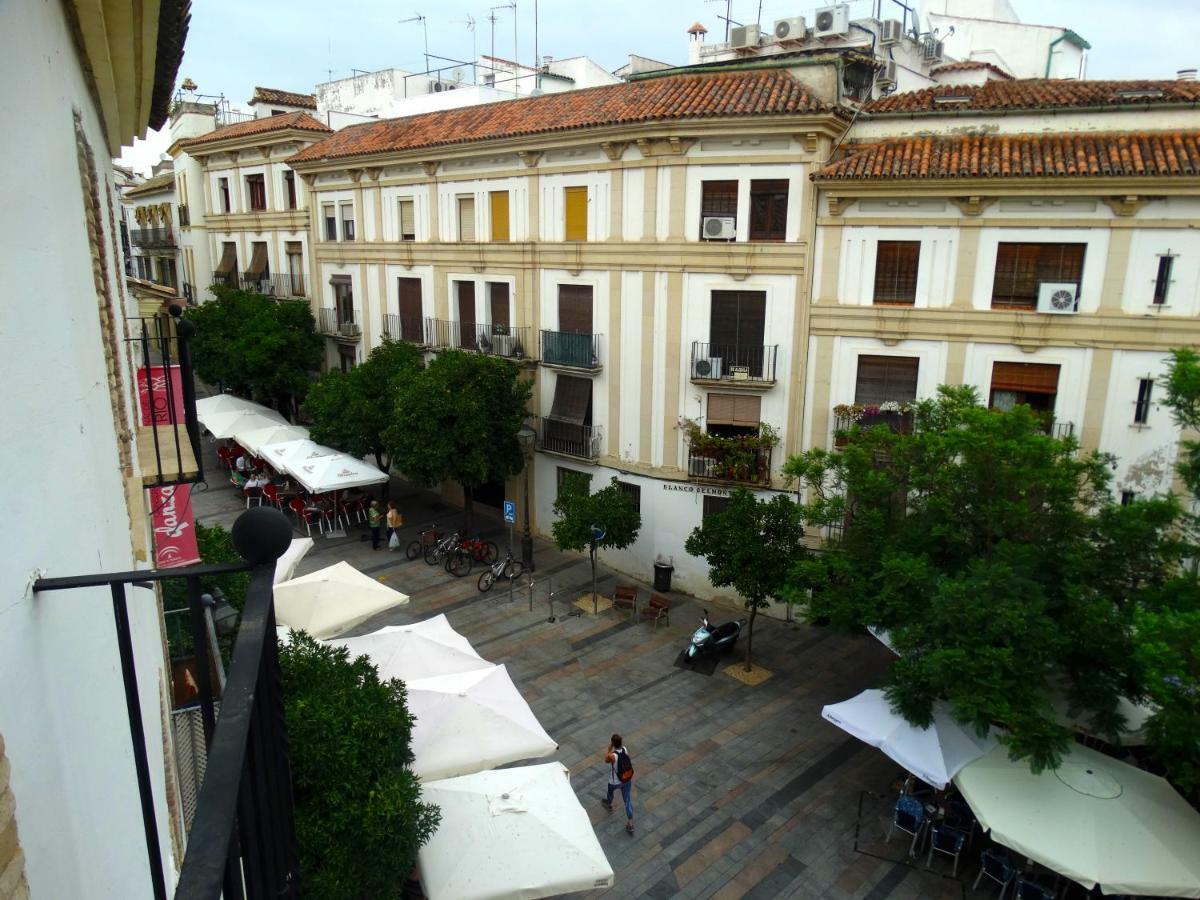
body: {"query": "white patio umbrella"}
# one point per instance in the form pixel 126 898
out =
pixel 883 636
pixel 336 473
pixel 470 722
pixel 284 455
pixel 1094 819
pixel 423 650
pixel 285 566
pixel 258 438
pixel 239 421
pixel 933 754
pixel 332 600
pixel 225 403
pixel 1136 715
pixel 510 833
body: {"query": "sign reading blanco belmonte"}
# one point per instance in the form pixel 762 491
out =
pixel 171 505
pixel 695 489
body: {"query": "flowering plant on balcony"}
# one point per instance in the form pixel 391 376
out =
pixel 742 458
pixel 850 413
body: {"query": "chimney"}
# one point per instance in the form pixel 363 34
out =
pixel 1186 75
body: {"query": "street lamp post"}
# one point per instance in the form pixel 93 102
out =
pixel 527 436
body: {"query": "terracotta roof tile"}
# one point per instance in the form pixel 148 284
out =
pixel 669 98
pixel 152 185
pixel 286 98
pixel 301 121
pixel 1037 93
pixel 1002 156
pixel 969 65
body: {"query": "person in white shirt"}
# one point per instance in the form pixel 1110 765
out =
pixel 617 757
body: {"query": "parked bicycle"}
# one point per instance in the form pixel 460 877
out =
pixel 507 569
pixel 481 550
pixel 429 536
pixel 452 554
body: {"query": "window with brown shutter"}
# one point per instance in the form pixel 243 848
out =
pixel 896 264
pixel 719 199
pixel 466 218
pixel 347 221
pixel 408 220
pixel 228 263
pixel 1022 268
pixel 258 261
pixel 329 213
pixel 738 318
pixel 223 189
pixel 884 378
pixel 733 415
pixel 465 293
pixel 575 308
pixel 575 201
pixel 256 186
pixel 411 311
pixel 572 400
pixel 1030 384
pixel 289 185
pixel 768 209
pixel 499 306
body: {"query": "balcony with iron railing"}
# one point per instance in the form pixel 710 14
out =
pixel 189 292
pixel 729 461
pixel 409 329
pixel 569 438
pixel 847 416
pixel 153 238
pixel 571 350
pixel 508 341
pixel 242 841
pixel 340 323
pixel 281 287
pixel 746 366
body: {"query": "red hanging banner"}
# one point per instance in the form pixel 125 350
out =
pixel 174 526
pixel 153 396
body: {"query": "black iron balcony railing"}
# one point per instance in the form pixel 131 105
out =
pixel 185 215
pixel 845 417
pixel 569 438
pixel 410 329
pixel 242 841
pixel 732 463
pixel 509 341
pixel 568 348
pixel 1062 429
pixel 153 238
pixel 342 322
pixel 733 362
pixel 278 286
pixel 189 292
pixel 168 433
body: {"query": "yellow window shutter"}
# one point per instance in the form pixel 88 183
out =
pixel 499 209
pixel 575 203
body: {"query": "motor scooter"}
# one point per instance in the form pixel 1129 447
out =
pixel 707 639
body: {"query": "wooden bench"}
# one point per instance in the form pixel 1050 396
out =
pixel 625 597
pixel 658 608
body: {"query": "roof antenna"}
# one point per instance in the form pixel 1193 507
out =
pixel 417 17
pixel 728 13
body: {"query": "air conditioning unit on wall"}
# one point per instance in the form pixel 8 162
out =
pixel 885 78
pixel 792 29
pixel 890 32
pixel 744 36
pixel 832 21
pixel 719 228
pixel 1060 298
pixel 707 367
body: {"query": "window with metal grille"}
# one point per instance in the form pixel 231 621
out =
pixel 896 265
pixel 884 378
pixel 633 492
pixel 289 186
pixel 1128 497
pixel 717 199
pixel 1162 282
pixel 408 220
pixel 569 478
pixel 256 188
pixel 347 221
pixel 768 209
pixel 1021 269
pixel 713 504
pixel 1141 409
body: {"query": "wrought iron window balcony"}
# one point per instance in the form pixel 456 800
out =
pixel 571 350
pixel 508 341
pixel 569 438
pixel 410 329
pixel 867 417
pixel 153 238
pixel 732 464
pixel 740 364
pixel 242 841
pixel 281 287
pixel 339 323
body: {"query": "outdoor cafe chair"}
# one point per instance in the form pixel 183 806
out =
pixel 997 867
pixel 1031 890
pixel 305 514
pixel 254 494
pixel 271 493
pixel 909 816
pixel 225 456
pixel 946 839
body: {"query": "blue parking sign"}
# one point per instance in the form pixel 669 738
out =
pixel 510 512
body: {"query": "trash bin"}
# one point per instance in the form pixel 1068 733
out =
pixel 662 575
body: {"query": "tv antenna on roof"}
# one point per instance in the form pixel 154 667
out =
pixel 728 13
pixel 512 4
pixel 417 17
pixel 469 21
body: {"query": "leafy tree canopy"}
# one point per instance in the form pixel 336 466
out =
pixel 751 546
pixel 255 346
pixel 359 816
pixel 457 420
pixel 580 512
pixel 994 556
pixel 351 410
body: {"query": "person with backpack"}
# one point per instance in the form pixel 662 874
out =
pixel 620 776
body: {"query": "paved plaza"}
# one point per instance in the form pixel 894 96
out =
pixel 740 791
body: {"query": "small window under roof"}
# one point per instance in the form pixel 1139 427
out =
pixel 952 98
pixel 1141 94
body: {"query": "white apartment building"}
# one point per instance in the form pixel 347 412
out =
pixel 152 214
pixel 82 81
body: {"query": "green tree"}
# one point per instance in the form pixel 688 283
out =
pixel 604 520
pixel 457 420
pixel 994 556
pixel 751 546
pixel 359 816
pixel 256 347
pixel 352 410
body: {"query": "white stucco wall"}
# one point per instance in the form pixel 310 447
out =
pixel 62 703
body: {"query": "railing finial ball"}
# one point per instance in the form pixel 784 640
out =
pixel 175 310
pixel 262 534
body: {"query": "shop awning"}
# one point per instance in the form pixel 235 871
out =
pixel 258 261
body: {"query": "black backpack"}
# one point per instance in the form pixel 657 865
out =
pixel 624 766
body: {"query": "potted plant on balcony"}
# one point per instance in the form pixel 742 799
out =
pixel 742 458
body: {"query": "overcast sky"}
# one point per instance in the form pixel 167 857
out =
pixel 234 45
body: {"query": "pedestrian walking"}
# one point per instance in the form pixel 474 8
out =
pixel 374 522
pixel 395 522
pixel 620 777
